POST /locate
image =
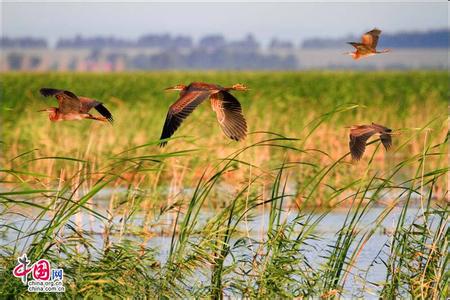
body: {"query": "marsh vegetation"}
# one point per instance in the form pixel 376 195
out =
pixel 284 213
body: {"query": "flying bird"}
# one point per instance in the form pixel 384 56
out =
pixel 72 107
pixel 227 107
pixel 368 45
pixel 359 134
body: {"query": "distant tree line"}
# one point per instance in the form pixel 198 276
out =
pixel 215 59
pixel 25 42
pixel 160 41
pixel 429 39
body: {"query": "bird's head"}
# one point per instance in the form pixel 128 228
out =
pixel 354 55
pixel 51 112
pixel 178 87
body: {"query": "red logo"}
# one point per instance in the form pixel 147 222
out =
pixel 41 269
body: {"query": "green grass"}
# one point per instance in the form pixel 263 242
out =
pixel 291 104
pixel 202 193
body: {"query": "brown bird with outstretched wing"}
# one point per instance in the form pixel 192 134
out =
pixel 359 134
pixel 72 107
pixel 227 108
pixel 368 45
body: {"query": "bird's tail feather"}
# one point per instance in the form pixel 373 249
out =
pixel 104 112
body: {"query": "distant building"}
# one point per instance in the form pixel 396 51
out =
pixel 212 42
pixel 276 44
pixel 249 43
pixel 413 50
pixel 25 42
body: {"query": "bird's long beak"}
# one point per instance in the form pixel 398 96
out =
pixel 352 54
pixel 41 110
pixel 172 88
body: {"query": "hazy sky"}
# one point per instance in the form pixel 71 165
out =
pixel 293 21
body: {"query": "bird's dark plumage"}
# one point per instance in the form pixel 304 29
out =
pixel 229 114
pixel 370 38
pixel 104 112
pixel 179 111
pixel 368 45
pixel 361 133
pixel 226 106
pixel 69 103
pixel 47 92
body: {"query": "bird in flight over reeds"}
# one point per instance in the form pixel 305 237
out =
pixel 368 45
pixel 359 134
pixel 227 108
pixel 72 107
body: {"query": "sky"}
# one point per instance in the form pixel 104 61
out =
pixel 291 21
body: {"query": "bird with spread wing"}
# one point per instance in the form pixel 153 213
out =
pixel 359 134
pixel 368 45
pixel 227 108
pixel 72 107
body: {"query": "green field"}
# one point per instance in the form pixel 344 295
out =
pixel 295 160
pixel 290 104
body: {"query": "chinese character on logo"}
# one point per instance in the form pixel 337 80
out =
pixel 22 270
pixel 45 279
pixel 57 274
pixel 41 270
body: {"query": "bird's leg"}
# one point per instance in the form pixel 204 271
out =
pixel 237 87
pixel 384 51
pixel 397 132
pixel 103 119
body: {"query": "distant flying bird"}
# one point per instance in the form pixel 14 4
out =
pixel 368 45
pixel 359 134
pixel 227 108
pixel 72 107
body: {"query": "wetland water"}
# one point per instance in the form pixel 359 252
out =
pixel 366 273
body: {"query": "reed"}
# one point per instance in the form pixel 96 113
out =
pixel 128 219
pixel 313 106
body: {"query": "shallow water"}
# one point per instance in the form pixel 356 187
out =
pixel 368 267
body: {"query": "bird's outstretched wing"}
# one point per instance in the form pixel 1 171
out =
pixel 358 139
pixel 386 140
pixel 179 111
pixel 68 101
pixel 104 112
pixel 370 38
pixel 87 104
pixel 229 114
pixel 356 45
pixel 385 136
pixel 380 128
pixel 47 92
